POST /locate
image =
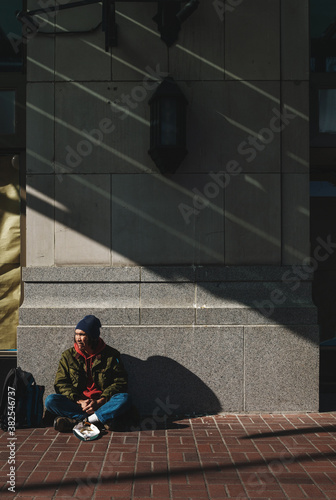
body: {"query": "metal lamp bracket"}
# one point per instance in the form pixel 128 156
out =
pixel 171 14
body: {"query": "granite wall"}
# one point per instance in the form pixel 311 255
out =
pixel 207 339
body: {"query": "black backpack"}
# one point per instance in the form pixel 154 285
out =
pixel 21 403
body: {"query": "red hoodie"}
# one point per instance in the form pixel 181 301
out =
pixel 91 391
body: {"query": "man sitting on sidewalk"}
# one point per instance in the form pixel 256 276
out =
pixel 91 381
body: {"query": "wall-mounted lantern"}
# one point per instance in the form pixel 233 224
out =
pixel 168 126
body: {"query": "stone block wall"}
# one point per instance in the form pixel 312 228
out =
pixel 208 339
pixel 186 271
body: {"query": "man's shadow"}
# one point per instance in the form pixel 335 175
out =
pixel 164 392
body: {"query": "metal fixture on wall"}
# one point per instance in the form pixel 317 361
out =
pixel 169 18
pixel 168 126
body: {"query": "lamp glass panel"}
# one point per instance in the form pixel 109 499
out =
pixel 168 122
pixel 7 112
pixel 327 111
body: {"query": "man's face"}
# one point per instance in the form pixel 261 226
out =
pixel 82 340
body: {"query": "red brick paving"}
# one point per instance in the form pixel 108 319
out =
pixel 262 457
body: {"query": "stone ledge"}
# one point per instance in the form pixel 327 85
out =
pixel 150 274
pixel 203 295
pixel 244 273
pixel 249 316
pixel 80 295
pixel 81 273
pixel 59 316
pixel 167 316
pixel 239 316
pixel 256 295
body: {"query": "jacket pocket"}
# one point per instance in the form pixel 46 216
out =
pixel 75 376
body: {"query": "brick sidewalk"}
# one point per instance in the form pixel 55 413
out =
pixel 267 456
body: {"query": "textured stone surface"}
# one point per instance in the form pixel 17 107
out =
pixel 287 384
pixel 155 232
pixel 40 220
pixel 258 295
pixel 131 61
pixel 199 52
pixel 42 316
pixel 167 316
pixel 244 273
pixel 253 220
pixel 207 358
pixel 54 340
pixel 294 48
pixel 248 138
pixel 295 134
pixel 82 201
pixel 41 49
pixel 81 273
pixel 74 52
pixel 40 127
pixel 105 128
pixel 219 361
pixel 195 372
pixel 160 363
pixel 82 295
pixel 221 107
pixel 167 294
pixel 168 273
pixel 247 27
pixel 41 54
pixel 295 212
pixel 269 315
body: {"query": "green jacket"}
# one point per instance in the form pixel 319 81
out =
pixel 108 373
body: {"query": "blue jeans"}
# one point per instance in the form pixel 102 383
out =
pixel 63 407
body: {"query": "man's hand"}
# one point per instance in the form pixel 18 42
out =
pixel 91 405
pixel 84 403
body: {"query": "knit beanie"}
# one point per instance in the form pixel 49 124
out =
pixel 90 325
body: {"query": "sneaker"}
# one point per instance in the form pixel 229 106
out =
pixel 64 424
